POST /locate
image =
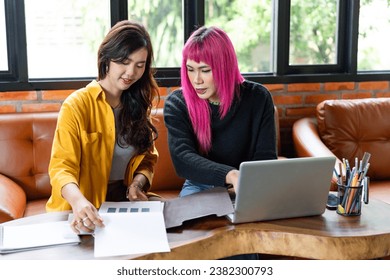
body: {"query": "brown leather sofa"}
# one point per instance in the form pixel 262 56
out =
pixel 346 129
pixel 25 147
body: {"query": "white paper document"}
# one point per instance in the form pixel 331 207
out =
pixel 131 227
pixel 33 236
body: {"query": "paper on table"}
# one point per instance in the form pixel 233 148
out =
pixel 131 233
pixel 34 236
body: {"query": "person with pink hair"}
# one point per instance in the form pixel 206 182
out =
pixel 217 119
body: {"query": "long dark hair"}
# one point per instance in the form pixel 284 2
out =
pixel 135 126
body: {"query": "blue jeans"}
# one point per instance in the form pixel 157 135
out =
pixel 191 187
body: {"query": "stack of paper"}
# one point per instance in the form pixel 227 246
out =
pixel 34 236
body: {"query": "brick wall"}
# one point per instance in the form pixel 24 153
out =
pixel 293 101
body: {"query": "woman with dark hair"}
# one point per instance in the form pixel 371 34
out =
pixel 103 147
pixel 217 119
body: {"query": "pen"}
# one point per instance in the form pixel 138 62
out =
pixel 354 199
pixel 341 173
pixel 353 191
pixel 337 175
pixel 362 175
pixel 351 177
pixel 366 158
pixel 365 188
pixel 345 169
pixel 348 169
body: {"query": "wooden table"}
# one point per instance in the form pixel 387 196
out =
pixel 328 236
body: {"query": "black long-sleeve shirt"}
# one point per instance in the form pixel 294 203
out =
pixel 246 133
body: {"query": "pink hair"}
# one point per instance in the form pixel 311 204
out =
pixel 213 47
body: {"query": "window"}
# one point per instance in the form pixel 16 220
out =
pixel 249 26
pixel 374 25
pixel 3 40
pixel 63 37
pixel 313 32
pixel 53 44
pixel 163 20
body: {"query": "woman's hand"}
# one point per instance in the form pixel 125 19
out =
pixel 85 216
pixel 135 192
pixel 232 178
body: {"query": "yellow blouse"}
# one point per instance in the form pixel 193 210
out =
pixel 83 148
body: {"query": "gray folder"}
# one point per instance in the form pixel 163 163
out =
pixel 215 201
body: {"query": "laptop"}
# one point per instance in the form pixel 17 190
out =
pixel 282 188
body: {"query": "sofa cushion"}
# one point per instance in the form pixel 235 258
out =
pixel 25 147
pixel 351 127
pixel 12 200
pixel 35 207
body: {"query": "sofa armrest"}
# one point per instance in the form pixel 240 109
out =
pixel 12 200
pixel 308 143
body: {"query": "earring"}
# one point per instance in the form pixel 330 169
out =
pixel 106 68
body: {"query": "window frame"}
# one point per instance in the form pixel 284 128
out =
pixel 282 58
pixel 345 70
pixel 16 43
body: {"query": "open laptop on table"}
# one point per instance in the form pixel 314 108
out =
pixel 282 188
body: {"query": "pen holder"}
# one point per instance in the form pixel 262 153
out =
pixel 351 198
